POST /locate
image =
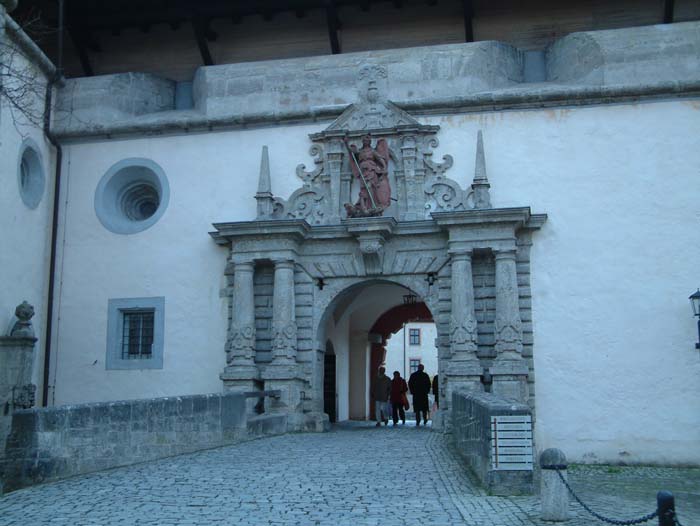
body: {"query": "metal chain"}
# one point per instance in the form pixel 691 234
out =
pixel 640 520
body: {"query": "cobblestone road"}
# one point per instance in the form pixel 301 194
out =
pixel 354 475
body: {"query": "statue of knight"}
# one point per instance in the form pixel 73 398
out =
pixel 370 166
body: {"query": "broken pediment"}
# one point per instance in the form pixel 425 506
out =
pixel 374 160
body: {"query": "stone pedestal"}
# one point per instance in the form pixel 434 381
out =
pixel 553 492
pixel 509 379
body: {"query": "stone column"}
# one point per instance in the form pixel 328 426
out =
pixel 283 371
pixel 409 152
pixel 284 327
pixel 463 369
pixel 509 371
pixel 335 165
pixel 241 372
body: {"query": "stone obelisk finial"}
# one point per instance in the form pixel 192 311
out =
pixel 264 193
pixel 480 185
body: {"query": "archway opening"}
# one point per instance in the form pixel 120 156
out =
pixel 359 326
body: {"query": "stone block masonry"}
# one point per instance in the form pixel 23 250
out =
pixel 473 432
pixel 54 443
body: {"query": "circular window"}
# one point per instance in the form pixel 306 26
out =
pixel 131 196
pixel 30 174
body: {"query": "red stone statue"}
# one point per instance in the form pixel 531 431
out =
pixel 370 167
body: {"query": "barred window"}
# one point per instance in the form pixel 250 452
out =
pixel 414 336
pixel 137 334
pixel 413 364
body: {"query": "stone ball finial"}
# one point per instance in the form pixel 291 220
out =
pixel 553 457
pixel 24 311
pixel 9 5
pixel 23 326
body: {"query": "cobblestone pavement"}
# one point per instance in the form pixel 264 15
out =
pixel 354 475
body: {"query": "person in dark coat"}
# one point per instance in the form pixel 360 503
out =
pixel 419 384
pixel 436 391
pixel 398 398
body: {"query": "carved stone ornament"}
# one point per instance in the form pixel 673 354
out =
pixel 392 151
pixel 23 326
pixel 509 335
pixel 284 340
pixel 241 344
pixel 24 396
pixel 463 335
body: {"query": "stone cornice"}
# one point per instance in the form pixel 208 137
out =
pixel 387 226
pixel 519 216
pixel 535 96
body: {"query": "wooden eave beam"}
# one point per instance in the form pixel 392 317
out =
pixel 668 11
pixel 200 35
pixel 332 22
pixel 79 43
pixel 468 20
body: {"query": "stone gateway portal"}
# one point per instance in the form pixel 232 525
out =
pixel 371 213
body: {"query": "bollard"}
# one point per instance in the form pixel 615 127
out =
pixel 553 492
pixel 666 508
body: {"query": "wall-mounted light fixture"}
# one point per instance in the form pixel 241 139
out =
pixel 695 303
pixel 319 283
pixel 430 278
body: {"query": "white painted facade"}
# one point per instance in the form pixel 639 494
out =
pixel 611 269
pixel 400 351
pixel 26 232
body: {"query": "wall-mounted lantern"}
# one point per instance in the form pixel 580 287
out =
pixel 695 303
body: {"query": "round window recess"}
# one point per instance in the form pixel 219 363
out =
pixel 30 174
pixel 131 196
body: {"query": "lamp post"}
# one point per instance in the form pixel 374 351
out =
pixel 695 303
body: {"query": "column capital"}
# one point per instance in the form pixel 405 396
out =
pixel 461 254
pixel 284 263
pixel 509 253
pixel 243 266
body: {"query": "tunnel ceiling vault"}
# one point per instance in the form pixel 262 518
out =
pixel 392 320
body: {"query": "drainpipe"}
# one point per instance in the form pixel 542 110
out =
pixel 57 79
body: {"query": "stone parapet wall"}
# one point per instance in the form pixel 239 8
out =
pixel 641 55
pixel 54 443
pixel 471 414
pixel 582 68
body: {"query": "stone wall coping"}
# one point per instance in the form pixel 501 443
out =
pixel 17 341
pixel 494 404
pixel 90 405
pixel 531 96
pixel 27 45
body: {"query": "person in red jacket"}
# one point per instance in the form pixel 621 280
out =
pixel 398 398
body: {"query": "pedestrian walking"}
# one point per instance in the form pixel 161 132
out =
pixel 419 384
pixel 398 398
pixel 380 392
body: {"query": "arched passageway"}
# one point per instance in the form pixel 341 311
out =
pixel 357 324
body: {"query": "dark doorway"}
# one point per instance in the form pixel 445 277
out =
pixel 329 394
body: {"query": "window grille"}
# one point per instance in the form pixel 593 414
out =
pixel 414 336
pixel 137 334
pixel 413 364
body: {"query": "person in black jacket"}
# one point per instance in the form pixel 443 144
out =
pixel 419 385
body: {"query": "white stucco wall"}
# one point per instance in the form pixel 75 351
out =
pixel 611 269
pixel 26 232
pixel 426 352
